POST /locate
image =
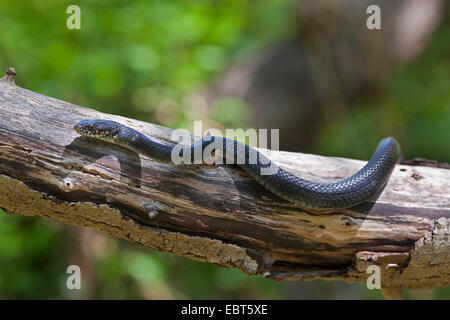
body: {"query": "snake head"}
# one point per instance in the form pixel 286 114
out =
pixel 97 128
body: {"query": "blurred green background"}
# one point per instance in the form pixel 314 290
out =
pixel 143 59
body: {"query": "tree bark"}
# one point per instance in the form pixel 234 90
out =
pixel 218 214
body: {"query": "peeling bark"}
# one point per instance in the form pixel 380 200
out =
pixel 218 214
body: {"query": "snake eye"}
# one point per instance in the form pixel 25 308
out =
pixel 92 128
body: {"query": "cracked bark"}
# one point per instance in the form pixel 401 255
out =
pixel 218 214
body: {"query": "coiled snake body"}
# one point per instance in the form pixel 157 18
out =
pixel 338 195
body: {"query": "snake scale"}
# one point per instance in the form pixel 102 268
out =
pixel 338 195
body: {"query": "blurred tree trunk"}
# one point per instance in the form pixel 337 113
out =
pixel 306 83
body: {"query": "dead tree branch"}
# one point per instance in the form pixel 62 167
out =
pixel 218 214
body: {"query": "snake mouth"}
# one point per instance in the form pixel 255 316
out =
pixel 99 129
pixel 79 129
pixel 94 128
pixel 87 130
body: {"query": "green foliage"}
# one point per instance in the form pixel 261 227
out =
pixel 27 247
pixel 126 48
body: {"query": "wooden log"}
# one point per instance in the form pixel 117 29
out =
pixel 219 214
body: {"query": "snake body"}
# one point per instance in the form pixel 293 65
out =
pixel 338 195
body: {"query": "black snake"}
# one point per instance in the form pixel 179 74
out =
pixel 338 195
